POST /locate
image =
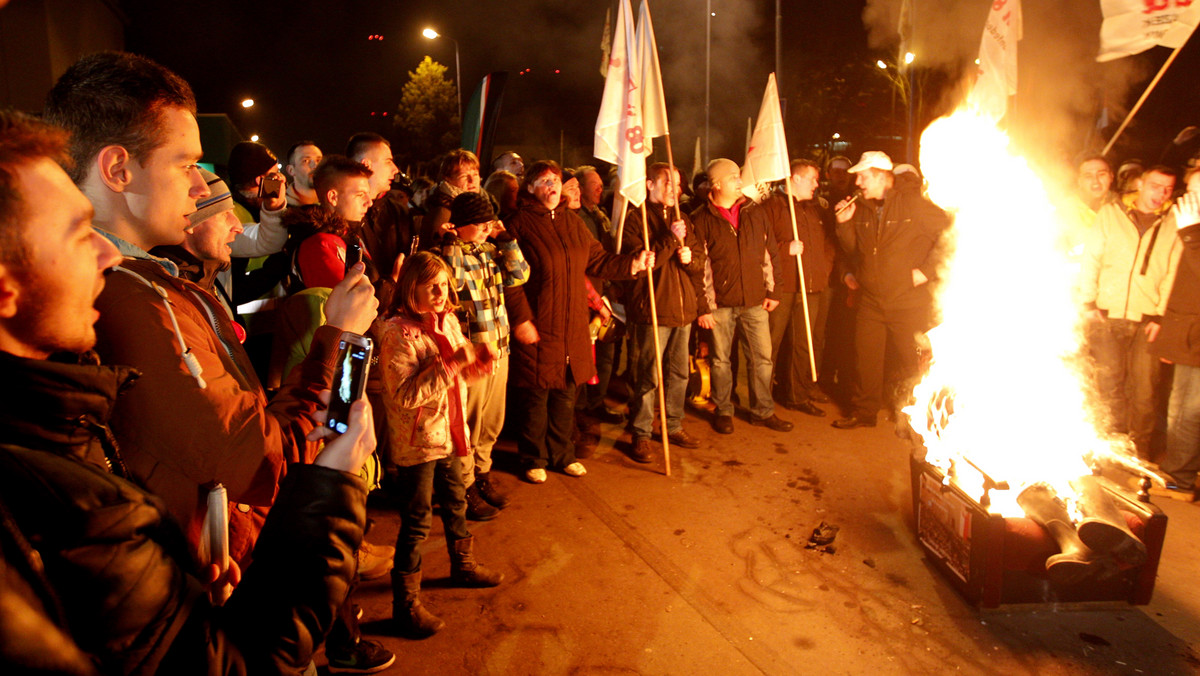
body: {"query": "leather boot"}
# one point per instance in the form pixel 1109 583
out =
pixel 489 491
pixel 1103 528
pixel 1075 562
pixel 407 611
pixel 479 509
pixel 465 571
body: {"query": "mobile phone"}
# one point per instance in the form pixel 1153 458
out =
pixel 354 255
pixel 269 187
pixel 349 379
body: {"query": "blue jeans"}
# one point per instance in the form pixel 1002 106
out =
pixel 674 343
pixel 417 486
pixel 1183 426
pixel 756 344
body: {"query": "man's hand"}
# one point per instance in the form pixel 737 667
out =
pixel 685 254
pixel 769 304
pixel 1152 329
pixel 644 261
pixel 345 452
pixel 919 278
pixel 706 321
pixel 851 281
pixel 679 229
pixel 795 247
pixel 1186 210
pixel 845 209
pixel 396 267
pixel 277 200
pixel 352 304
pixel 605 312
pixel 1093 315
pixel 221 586
pixel 525 332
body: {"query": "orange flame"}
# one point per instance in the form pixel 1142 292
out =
pixel 1004 395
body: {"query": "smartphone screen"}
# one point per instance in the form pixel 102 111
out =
pixel 349 379
pixel 269 187
pixel 354 255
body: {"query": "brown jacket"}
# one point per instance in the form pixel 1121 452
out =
pixel 179 438
pixel 678 288
pixel 559 250
pixel 814 224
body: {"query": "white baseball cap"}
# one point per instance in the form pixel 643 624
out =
pixel 872 159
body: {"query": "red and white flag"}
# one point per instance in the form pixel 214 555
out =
pixel 767 155
pixel 997 78
pixel 1133 26
pixel 654 104
pixel 619 134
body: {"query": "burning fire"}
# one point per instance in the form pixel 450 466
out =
pixel 1005 396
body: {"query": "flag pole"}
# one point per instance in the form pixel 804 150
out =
pixel 1137 106
pixel 662 398
pixel 618 198
pixel 812 361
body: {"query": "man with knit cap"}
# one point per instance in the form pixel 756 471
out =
pixel 486 260
pixel 743 261
pixel 894 237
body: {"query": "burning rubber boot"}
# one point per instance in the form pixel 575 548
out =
pixel 465 571
pixel 1103 527
pixel 1075 562
pixel 407 612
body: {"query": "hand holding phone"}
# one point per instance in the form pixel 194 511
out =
pixel 349 379
pixel 354 255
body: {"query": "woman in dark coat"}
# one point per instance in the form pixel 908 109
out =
pixel 549 314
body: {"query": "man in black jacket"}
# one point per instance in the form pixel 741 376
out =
pixel 679 299
pixel 894 238
pixel 101 558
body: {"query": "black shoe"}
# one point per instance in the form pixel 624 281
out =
pixel 605 415
pixel 773 422
pixel 852 422
pixel 723 424
pixel 806 407
pixel 642 451
pixel 489 491
pixel 683 440
pixel 478 509
pixel 818 396
pixel 366 657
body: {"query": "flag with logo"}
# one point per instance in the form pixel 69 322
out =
pixel 997 77
pixel 767 155
pixel 1133 26
pixel 619 137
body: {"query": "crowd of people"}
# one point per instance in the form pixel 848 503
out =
pixel 173 333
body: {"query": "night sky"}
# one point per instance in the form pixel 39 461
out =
pixel 314 74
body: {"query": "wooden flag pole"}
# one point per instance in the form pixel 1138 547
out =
pixel 812 361
pixel 619 199
pixel 1137 106
pixel 662 397
pixel 671 174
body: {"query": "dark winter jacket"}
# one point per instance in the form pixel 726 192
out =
pixel 886 243
pixel 1178 340
pixel 814 224
pixel 745 261
pixel 560 251
pixel 678 288
pixel 116 570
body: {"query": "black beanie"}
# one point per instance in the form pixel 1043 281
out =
pixel 248 161
pixel 470 208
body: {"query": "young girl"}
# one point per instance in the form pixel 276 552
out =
pixel 425 359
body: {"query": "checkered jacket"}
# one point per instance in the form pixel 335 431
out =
pixel 482 271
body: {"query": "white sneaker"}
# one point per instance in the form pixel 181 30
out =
pixel 575 469
pixel 536 476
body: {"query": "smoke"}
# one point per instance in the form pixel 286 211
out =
pixel 1061 90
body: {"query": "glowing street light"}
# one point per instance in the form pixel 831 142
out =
pixel 836 136
pixel 909 57
pixel 881 64
pixel 247 103
pixel 254 138
pixel 431 34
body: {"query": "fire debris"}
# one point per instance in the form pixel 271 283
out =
pixel 822 538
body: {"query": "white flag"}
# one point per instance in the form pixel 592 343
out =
pixel 997 79
pixel 619 136
pixel 1133 26
pixel 654 105
pixel 767 156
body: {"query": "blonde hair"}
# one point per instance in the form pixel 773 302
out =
pixel 420 268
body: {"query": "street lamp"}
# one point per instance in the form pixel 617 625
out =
pixel 431 34
pixel 247 103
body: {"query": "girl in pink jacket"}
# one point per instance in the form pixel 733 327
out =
pixel 426 361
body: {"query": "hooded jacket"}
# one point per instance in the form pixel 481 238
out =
pixel 885 243
pixel 678 289
pixel 115 567
pixel 560 252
